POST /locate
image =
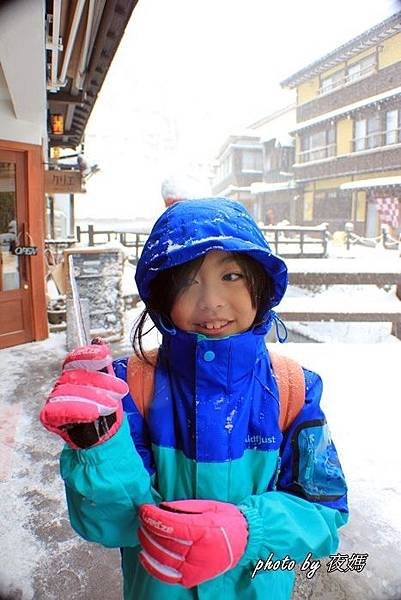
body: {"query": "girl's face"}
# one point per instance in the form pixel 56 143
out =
pixel 215 300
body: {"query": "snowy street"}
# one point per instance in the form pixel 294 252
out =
pixel 41 558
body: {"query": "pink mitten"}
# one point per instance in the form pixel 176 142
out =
pixel 191 541
pixel 95 357
pixel 84 407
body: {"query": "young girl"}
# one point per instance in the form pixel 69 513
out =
pixel 202 483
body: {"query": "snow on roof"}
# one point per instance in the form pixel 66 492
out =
pixel 367 183
pixel 277 126
pixel 234 188
pixel 347 109
pixel 260 187
pixel 245 138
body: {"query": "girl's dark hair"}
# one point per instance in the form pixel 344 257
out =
pixel 165 287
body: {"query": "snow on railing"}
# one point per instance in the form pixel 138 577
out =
pixel 388 242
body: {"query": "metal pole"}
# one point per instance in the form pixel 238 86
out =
pixel 325 240
pixel 72 216
pixel 51 217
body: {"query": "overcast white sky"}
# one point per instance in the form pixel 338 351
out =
pixel 188 73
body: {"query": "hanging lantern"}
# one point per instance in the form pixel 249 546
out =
pixel 55 152
pixel 57 124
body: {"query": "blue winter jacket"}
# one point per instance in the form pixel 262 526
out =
pixel 212 432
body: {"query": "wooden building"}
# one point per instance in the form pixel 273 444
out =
pixel 238 164
pixel 348 132
pixel 275 194
pixel 256 167
pixel 54 56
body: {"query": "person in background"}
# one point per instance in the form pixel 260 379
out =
pixel 270 218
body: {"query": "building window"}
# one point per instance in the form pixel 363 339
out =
pixel 332 82
pixel 358 70
pixel 363 68
pixel 374 137
pixel 381 129
pixel 368 133
pixel 360 135
pixel 252 161
pixel 392 126
pixel 224 168
pixel 317 145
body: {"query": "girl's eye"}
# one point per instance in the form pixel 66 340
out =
pixel 233 276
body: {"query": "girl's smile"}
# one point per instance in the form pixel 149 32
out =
pixel 213 327
pixel 215 301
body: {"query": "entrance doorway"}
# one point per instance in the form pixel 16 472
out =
pixel 371 218
pixel 16 319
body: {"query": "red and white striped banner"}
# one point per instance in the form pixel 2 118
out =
pixel 389 210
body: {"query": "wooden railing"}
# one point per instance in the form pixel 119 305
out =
pixel 287 241
pixel 332 272
pixel 129 239
pixel 298 242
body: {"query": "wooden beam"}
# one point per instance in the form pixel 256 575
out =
pixel 65 98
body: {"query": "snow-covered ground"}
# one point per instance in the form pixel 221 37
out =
pixel 42 558
pixel 362 404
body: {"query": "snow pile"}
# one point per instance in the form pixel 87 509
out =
pixel 30 486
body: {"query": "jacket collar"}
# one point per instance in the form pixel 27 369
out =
pixel 236 355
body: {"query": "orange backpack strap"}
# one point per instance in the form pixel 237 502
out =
pixel 291 386
pixel 140 379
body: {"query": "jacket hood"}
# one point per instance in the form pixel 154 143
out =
pixel 190 228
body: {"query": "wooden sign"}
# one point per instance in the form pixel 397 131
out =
pixel 64 182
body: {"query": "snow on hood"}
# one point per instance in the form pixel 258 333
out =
pixel 190 228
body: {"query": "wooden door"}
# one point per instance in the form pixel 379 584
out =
pixel 16 322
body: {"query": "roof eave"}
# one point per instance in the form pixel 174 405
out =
pixel 114 20
pixel 365 40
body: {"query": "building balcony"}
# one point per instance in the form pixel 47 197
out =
pixel 351 91
pixel 384 158
pixel 238 179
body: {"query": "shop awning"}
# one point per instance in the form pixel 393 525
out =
pixel 260 187
pixel 371 183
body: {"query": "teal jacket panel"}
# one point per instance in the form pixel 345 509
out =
pixel 105 485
